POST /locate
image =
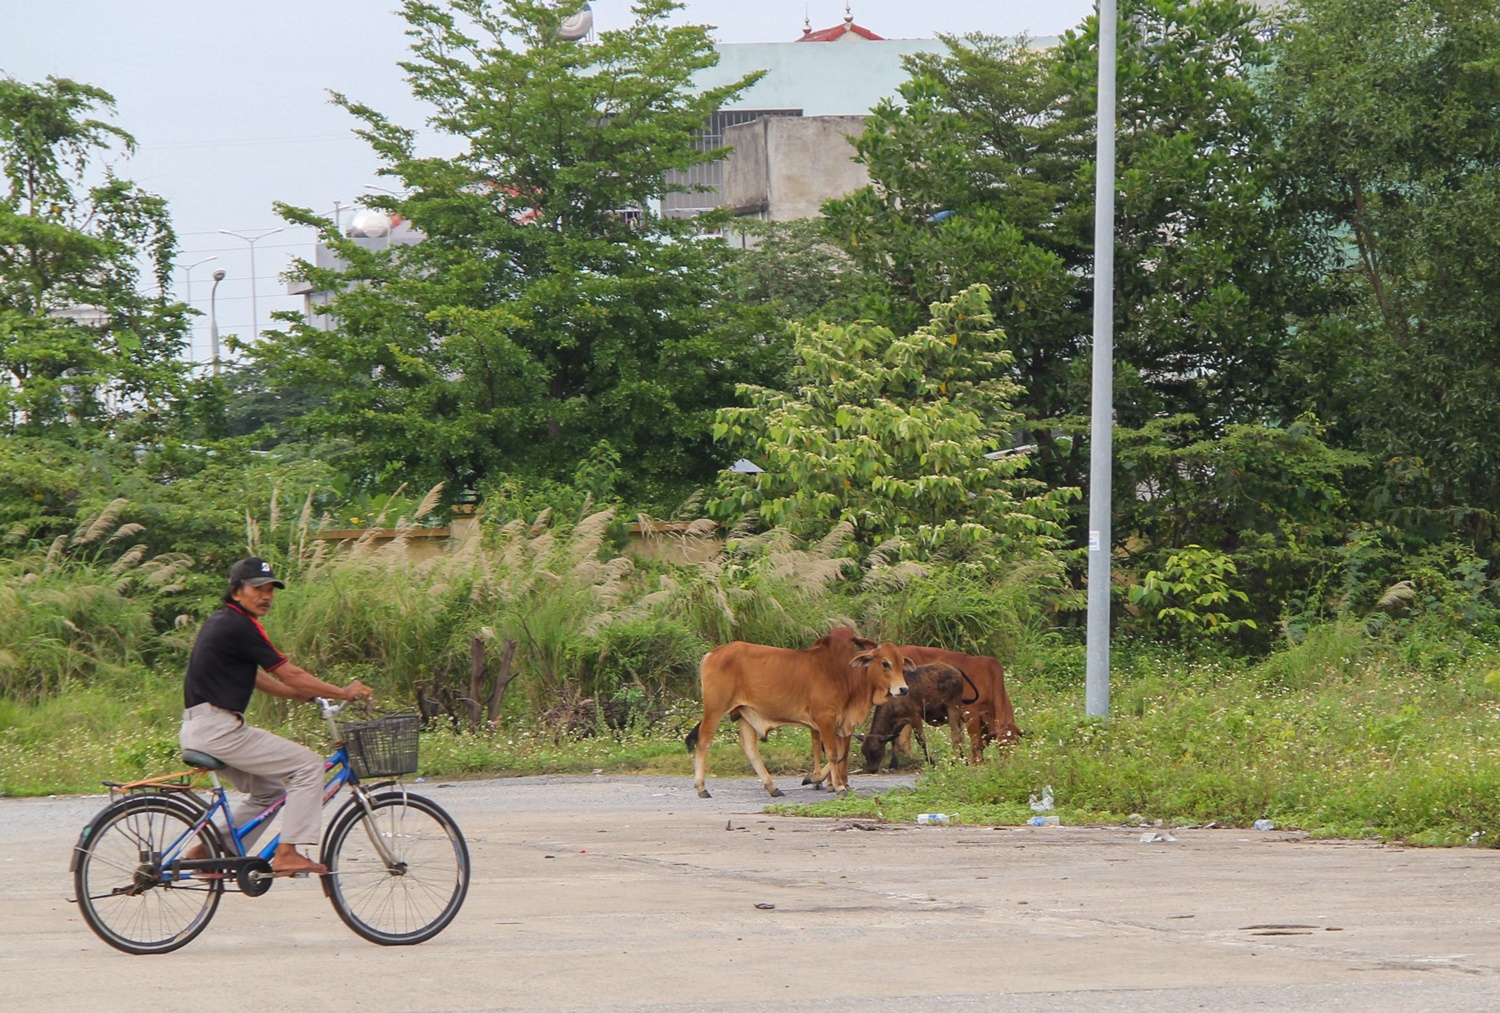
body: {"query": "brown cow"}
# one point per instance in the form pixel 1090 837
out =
pixel 938 694
pixel 990 718
pixel 830 687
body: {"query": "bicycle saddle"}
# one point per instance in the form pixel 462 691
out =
pixel 196 759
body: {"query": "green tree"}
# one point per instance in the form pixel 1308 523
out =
pixel 549 308
pixel 1188 594
pixel 81 346
pixel 984 174
pixel 1272 499
pixel 791 267
pixel 893 435
pixel 1387 116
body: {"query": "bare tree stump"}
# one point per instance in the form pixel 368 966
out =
pixel 502 680
pixel 474 701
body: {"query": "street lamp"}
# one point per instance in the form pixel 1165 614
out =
pixel 213 318
pixel 254 311
pixel 187 272
pixel 1101 420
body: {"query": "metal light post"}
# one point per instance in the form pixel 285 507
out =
pixel 213 318
pixel 1101 423
pixel 254 311
pixel 187 273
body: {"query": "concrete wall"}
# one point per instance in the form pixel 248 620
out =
pixel 670 541
pixel 784 168
pixel 845 78
pixel 820 78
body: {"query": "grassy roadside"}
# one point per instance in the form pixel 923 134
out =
pixel 1340 736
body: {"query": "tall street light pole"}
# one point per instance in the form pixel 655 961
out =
pixel 187 272
pixel 254 311
pixel 1101 423
pixel 213 318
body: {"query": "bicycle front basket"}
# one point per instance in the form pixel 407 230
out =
pixel 383 747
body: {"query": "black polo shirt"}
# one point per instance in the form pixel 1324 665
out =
pixel 221 670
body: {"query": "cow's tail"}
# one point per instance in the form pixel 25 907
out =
pixel 971 686
pixel 692 737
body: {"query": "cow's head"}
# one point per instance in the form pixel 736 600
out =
pixel 872 747
pixel 886 668
pixel 1006 733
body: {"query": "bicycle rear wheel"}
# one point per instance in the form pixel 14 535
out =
pixel 117 872
pixel 415 898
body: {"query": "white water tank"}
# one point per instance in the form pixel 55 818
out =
pixel 369 223
pixel 576 26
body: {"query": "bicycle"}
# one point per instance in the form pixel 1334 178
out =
pixel 398 865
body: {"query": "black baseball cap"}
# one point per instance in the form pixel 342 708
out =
pixel 255 572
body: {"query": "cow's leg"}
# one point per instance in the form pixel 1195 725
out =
pixel 820 769
pixel 838 758
pixel 845 742
pixel 700 738
pixel 900 745
pixel 921 734
pixel 956 732
pixel 750 743
pixel 977 737
pixel 817 756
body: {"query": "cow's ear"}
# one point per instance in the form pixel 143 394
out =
pixel 865 645
pixel 861 660
pixel 907 665
pixel 859 737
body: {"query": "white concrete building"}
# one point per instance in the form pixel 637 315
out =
pixel 839 72
pixel 792 129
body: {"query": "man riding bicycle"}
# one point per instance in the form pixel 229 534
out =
pixel 232 657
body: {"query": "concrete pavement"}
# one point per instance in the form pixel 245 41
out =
pixel 633 894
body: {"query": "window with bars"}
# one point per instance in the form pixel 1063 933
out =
pixel 709 175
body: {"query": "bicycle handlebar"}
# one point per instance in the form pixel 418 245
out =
pixel 329 708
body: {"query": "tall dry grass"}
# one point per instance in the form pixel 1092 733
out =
pixel 87 608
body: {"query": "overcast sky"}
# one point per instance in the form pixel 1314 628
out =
pixel 228 100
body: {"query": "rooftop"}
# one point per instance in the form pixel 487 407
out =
pixel 846 32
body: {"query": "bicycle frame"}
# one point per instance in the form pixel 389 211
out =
pixel 341 774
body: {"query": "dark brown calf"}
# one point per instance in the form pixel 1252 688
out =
pixel 937 695
pixel 991 718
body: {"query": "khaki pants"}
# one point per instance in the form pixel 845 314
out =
pixel 264 766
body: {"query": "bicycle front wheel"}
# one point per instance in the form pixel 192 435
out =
pixel 122 892
pixel 417 893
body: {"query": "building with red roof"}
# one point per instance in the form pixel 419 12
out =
pixel 846 32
